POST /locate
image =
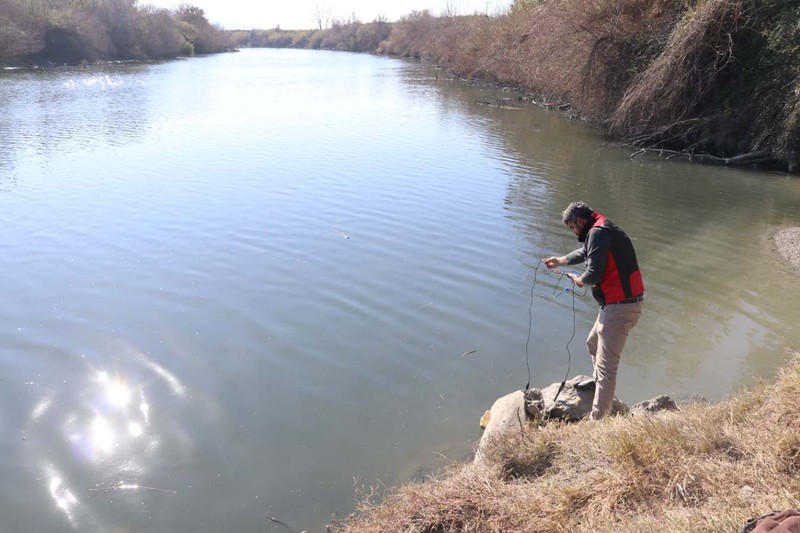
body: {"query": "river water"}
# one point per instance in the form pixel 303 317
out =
pixel 256 285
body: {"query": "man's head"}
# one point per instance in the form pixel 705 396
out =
pixel 576 216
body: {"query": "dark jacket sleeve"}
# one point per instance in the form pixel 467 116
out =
pixel 597 244
pixel 576 256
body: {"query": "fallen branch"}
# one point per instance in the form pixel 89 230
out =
pixel 750 158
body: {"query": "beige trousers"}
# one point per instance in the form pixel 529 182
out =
pixel 605 344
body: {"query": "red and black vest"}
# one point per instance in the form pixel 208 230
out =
pixel 621 278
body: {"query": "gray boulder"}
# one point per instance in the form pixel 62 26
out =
pixel 659 403
pixel 573 403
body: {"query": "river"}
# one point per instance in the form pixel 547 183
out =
pixel 261 284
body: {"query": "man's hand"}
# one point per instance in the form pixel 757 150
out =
pixel 575 279
pixel 555 262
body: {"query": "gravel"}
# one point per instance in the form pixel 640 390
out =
pixel 787 242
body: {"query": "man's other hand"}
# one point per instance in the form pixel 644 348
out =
pixel 555 262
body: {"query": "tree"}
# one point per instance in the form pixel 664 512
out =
pixel 322 16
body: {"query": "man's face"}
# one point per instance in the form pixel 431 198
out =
pixel 577 226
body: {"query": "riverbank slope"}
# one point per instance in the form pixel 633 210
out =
pixel 714 79
pixel 705 468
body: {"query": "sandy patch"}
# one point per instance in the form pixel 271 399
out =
pixel 787 243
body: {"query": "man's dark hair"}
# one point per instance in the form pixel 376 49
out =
pixel 574 211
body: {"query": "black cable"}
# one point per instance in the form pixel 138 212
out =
pixel 569 353
pixel 530 325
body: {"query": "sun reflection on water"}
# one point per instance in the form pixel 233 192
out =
pixel 109 440
pixel 117 392
pixel 115 420
pixel 62 495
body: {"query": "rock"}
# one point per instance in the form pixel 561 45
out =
pixel 574 402
pixel 485 419
pixel 618 407
pixel 534 404
pixel 659 403
pixel 746 494
pixel 570 404
pixel 505 414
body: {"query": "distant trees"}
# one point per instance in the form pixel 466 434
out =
pixel 73 31
pixel 345 35
pixel 321 16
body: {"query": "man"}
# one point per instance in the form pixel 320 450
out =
pixel 613 273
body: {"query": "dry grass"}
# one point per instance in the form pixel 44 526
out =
pixel 674 471
pixel 675 86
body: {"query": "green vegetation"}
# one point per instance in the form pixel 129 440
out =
pixel 74 31
pixel 705 468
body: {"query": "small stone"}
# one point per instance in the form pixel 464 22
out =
pixel 534 402
pixel 659 403
pixel 746 493
pixel 485 419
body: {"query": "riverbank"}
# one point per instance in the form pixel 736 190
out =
pixel 702 79
pixel 704 468
pixel 787 244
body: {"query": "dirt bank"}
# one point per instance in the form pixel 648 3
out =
pixel 787 244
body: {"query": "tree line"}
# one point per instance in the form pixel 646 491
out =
pixel 349 35
pixel 59 32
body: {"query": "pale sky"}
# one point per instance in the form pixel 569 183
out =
pixel 299 14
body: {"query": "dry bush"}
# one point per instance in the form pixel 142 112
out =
pixel 575 50
pixel 588 51
pixel 370 36
pixel 671 471
pixel 411 35
pixel 157 32
pixel 19 35
pixel 63 31
pixel 679 81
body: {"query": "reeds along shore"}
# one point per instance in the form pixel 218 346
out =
pixel 715 79
pixel 705 468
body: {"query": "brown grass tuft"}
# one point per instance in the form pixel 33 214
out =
pixel 706 468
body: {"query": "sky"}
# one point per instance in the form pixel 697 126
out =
pixel 299 14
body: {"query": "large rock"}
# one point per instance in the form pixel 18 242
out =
pixel 505 415
pixel 572 403
pixel 508 413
